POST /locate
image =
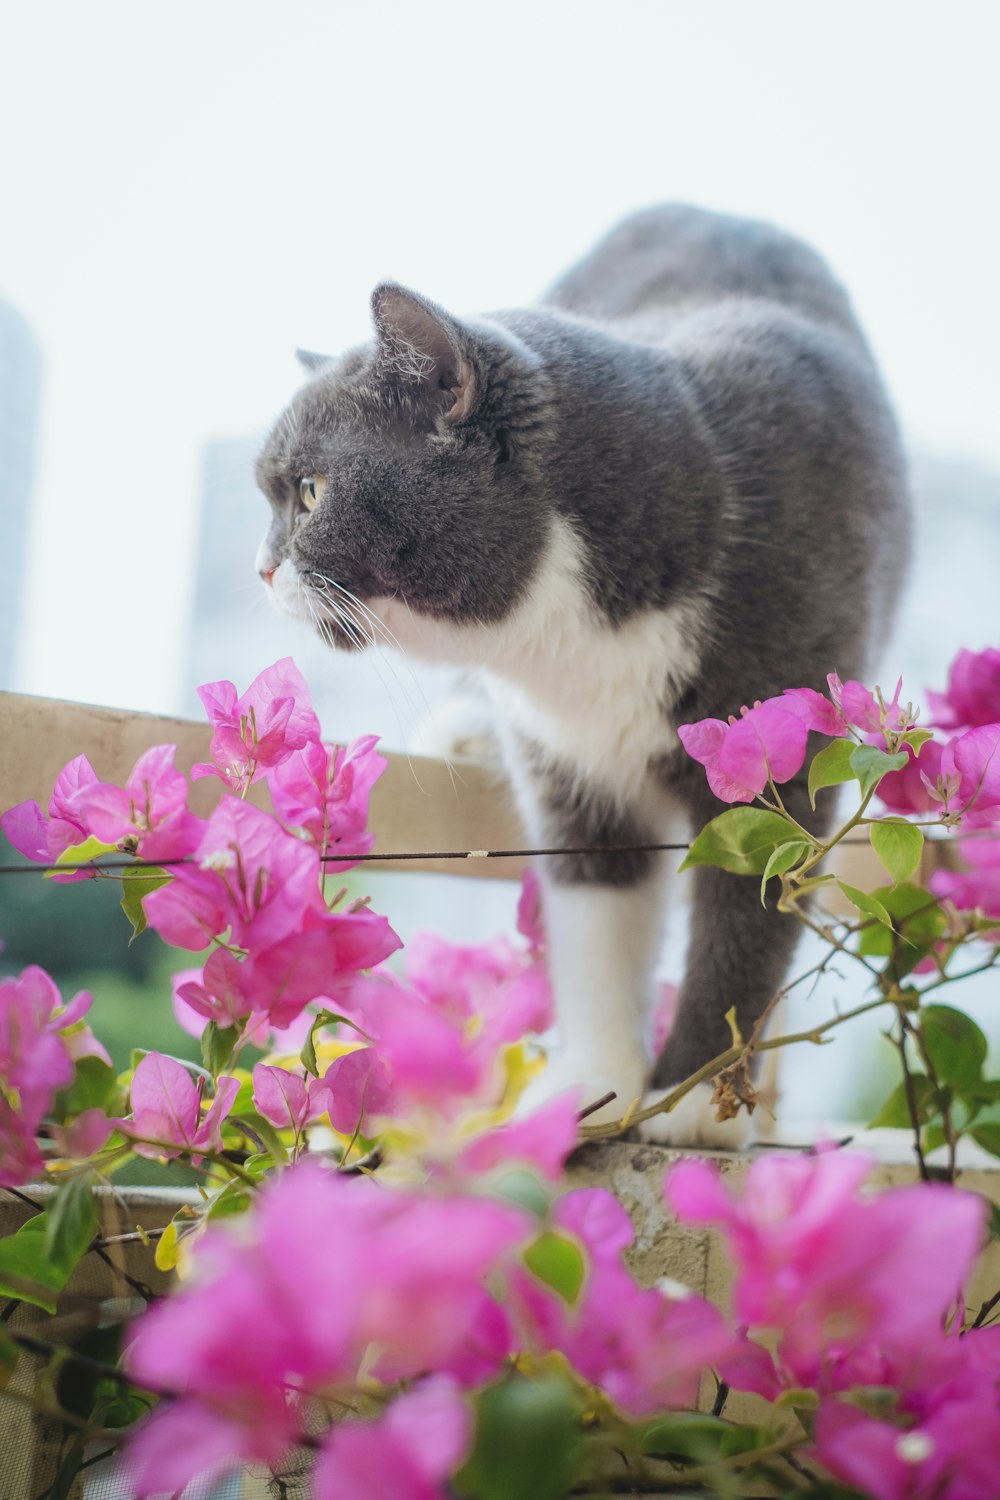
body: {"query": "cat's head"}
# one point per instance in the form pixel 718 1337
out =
pixel 407 470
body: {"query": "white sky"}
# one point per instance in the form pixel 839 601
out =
pixel 187 191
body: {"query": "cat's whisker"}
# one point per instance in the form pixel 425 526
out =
pixel 317 604
pixel 375 624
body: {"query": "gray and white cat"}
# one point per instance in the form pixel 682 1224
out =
pixel 673 487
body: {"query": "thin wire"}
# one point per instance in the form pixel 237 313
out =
pixel 398 856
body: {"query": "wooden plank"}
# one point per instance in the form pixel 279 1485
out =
pixel 419 803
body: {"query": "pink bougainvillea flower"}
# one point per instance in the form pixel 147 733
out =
pixel 35 1062
pixel 508 990
pixel 324 790
pixel 974 757
pixel 973 693
pixel 272 720
pixel 254 1324
pixel 251 879
pixel 150 810
pixel 424 1058
pixel 213 992
pixel 767 741
pixel 942 1444
pixel 530 916
pixel 166 1108
pixel 912 790
pixel 314 961
pixel 288 1100
pixel 541 1141
pixel 406 1455
pixel 44 839
pixel 648 1350
pixel 837 1272
pixel 977 887
pixel 850 705
pixel 360 1089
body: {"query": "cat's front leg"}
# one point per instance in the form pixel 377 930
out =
pixel 602 945
pixel 603 915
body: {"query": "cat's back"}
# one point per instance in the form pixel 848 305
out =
pixel 662 261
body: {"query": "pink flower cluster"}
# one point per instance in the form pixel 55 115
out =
pixel 961 775
pixel 341 1275
pixel 40 1041
pixel 768 741
pixel 860 1289
pixel 437 1036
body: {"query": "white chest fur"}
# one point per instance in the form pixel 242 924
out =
pixel 592 693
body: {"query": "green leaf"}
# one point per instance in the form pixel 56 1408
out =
pixel 70 1221
pixel 523 1188
pixel 932 1136
pixel 870 764
pixel 987 1135
pixel 78 854
pixel 217 1044
pixel 26 1271
pixel 899 846
pixel 528 1442
pixel 895 1112
pixel 783 858
pixel 558 1262
pixel 691 1435
pixel 954 1043
pixel 918 921
pixel 94 1086
pixel 831 766
pixel 740 840
pixel 134 887
pixel 869 906
pixel 265 1132
pixel 325 1018
pixel 917 739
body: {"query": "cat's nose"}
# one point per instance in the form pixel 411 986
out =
pixel 265 563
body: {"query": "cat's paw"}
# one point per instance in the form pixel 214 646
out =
pixel 591 1079
pixel 692 1123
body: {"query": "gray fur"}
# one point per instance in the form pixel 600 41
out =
pixel 697 401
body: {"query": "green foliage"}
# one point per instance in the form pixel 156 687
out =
pixel 785 857
pixel 558 1262
pixel 79 854
pixel 895 1112
pixel 868 906
pixel 217 1046
pixel 308 1053
pixel 94 1086
pixel 741 840
pixel 870 764
pixel 918 922
pixel 831 766
pixel 956 1048
pixel 70 1221
pixel 135 885
pixel 899 845
pixel 522 1188
pixel 528 1442
pixel 28 1271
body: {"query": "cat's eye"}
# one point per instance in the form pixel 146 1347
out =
pixel 311 489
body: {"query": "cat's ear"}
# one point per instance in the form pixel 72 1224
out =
pixel 420 343
pixel 312 362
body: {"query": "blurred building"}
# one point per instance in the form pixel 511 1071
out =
pixel 20 392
